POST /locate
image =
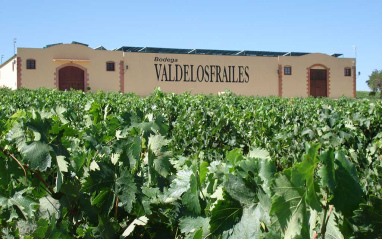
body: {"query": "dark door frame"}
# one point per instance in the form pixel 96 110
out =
pixel 86 75
pixel 327 78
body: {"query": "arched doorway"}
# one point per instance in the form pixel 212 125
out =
pixel 318 81
pixel 71 77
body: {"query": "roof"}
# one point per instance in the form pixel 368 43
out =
pixel 54 44
pixel 199 51
pixel 79 43
pixel 211 52
pixel 73 42
pixel 336 54
pixel 6 62
pixel 100 48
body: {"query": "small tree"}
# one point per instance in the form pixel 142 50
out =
pixel 375 82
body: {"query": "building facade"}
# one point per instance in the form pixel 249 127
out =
pixel 141 69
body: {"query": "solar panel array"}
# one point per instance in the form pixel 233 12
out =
pixel 200 51
pixel 210 52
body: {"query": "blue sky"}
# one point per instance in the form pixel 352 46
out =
pixel 302 26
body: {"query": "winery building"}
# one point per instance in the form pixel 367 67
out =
pixel 142 69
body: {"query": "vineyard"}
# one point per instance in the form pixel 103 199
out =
pixel 110 165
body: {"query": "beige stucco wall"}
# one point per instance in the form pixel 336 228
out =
pixel 45 72
pixel 297 84
pixel 250 75
pixel 141 76
pixel 8 74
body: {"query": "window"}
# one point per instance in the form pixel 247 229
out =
pixel 31 64
pixel 347 71
pixel 287 70
pixel 110 66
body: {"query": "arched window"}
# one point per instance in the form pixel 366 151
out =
pixel 287 70
pixel 31 64
pixel 110 66
pixel 347 71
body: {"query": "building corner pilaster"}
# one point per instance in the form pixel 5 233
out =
pixel 122 76
pixel 19 65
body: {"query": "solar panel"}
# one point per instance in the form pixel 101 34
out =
pixel 336 54
pixel 79 43
pixel 50 45
pixel 211 52
pixel 100 48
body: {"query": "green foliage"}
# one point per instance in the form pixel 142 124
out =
pixel 17 203
pixel 108 165
pixel 375 81
pixel 347 194
pixel 225 214
pixel 369 217
pixel 290 207
pixel 368 95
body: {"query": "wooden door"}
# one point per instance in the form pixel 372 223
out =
pixel 318 83
pixel 71 77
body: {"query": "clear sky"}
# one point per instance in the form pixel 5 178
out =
pixel 325 26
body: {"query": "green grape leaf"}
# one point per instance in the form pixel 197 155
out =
pixel 180 184
pixel 225 214
pixel 48 207
pixel 134 151
pixel 332 229
pixel 12 120
pixel 261 169
pixel 305 171
pixel 99 179
pixel 234 156
pixel 162 164
pixel 289 208
pixel 250 223
pixel 189 225
pixel 10 170
pixel 198 234
pixel 55 230
pixel 25 204
pixel 126 190
pixel 38 155
pixel 191 198
pixel 5 174
pixel 101 197
pixel 18 135
pixel 203 171
pixel 369 218
pixel 60 113
pixel 105 200
pixel 62 166
pixel 259 153
pixel 114 158
pixel 157 142
pixel 327 171
pixel 237 189
pixel 42 228
pixel 141 221
pixel 348 193
pixel 267 170
pixel 152 127
pixel 159 157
